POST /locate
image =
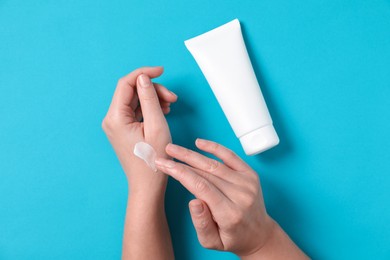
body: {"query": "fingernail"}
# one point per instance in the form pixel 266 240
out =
pixel 165 163
pixel 144 81
pixel 200 141
pixel 196 208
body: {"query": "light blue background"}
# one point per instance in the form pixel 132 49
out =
pixel 324 67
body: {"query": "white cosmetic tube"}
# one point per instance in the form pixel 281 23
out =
pixel 222 56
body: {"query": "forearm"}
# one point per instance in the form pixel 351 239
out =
pixel 146 232
pixel 278 246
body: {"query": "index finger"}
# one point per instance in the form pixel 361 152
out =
pixel 194 183
pixel 226 155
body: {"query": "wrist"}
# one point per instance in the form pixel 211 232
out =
pixel 143 180
pixel 146 202
pixel 277 246
pixel 269 229
pixel 147 191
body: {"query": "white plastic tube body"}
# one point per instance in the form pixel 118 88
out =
pixel 223 58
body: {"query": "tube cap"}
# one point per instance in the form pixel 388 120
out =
pixel 259 140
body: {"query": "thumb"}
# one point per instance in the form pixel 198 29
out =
pixel 205 227
pixel 150 104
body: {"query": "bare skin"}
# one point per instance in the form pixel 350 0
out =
pixel 146 232
pixel 228 213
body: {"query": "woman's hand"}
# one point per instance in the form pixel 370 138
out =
pixel 229 212
pixel 146 232
pixel 136 98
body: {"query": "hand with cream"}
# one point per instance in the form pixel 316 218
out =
pixel 136 116
pixel 228 212
pixel 136 98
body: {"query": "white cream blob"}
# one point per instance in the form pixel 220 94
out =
pixel 146 152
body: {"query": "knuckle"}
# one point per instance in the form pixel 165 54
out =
pixel 186 154
pixel 104 125
pixel 213 165
pixel 180 169
pixel 139 71
pixel 207 243
pixel 122 81
pixel 248 199
pixel 250 176
pixel 213 146
pixel 251 173
pixel 235 220
pixel 202 224
pixel 238 218
pixel 201 185
pixel 253 189
pixel 109 123
pixel 230 153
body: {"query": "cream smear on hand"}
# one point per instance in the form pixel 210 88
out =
pixel 146 152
